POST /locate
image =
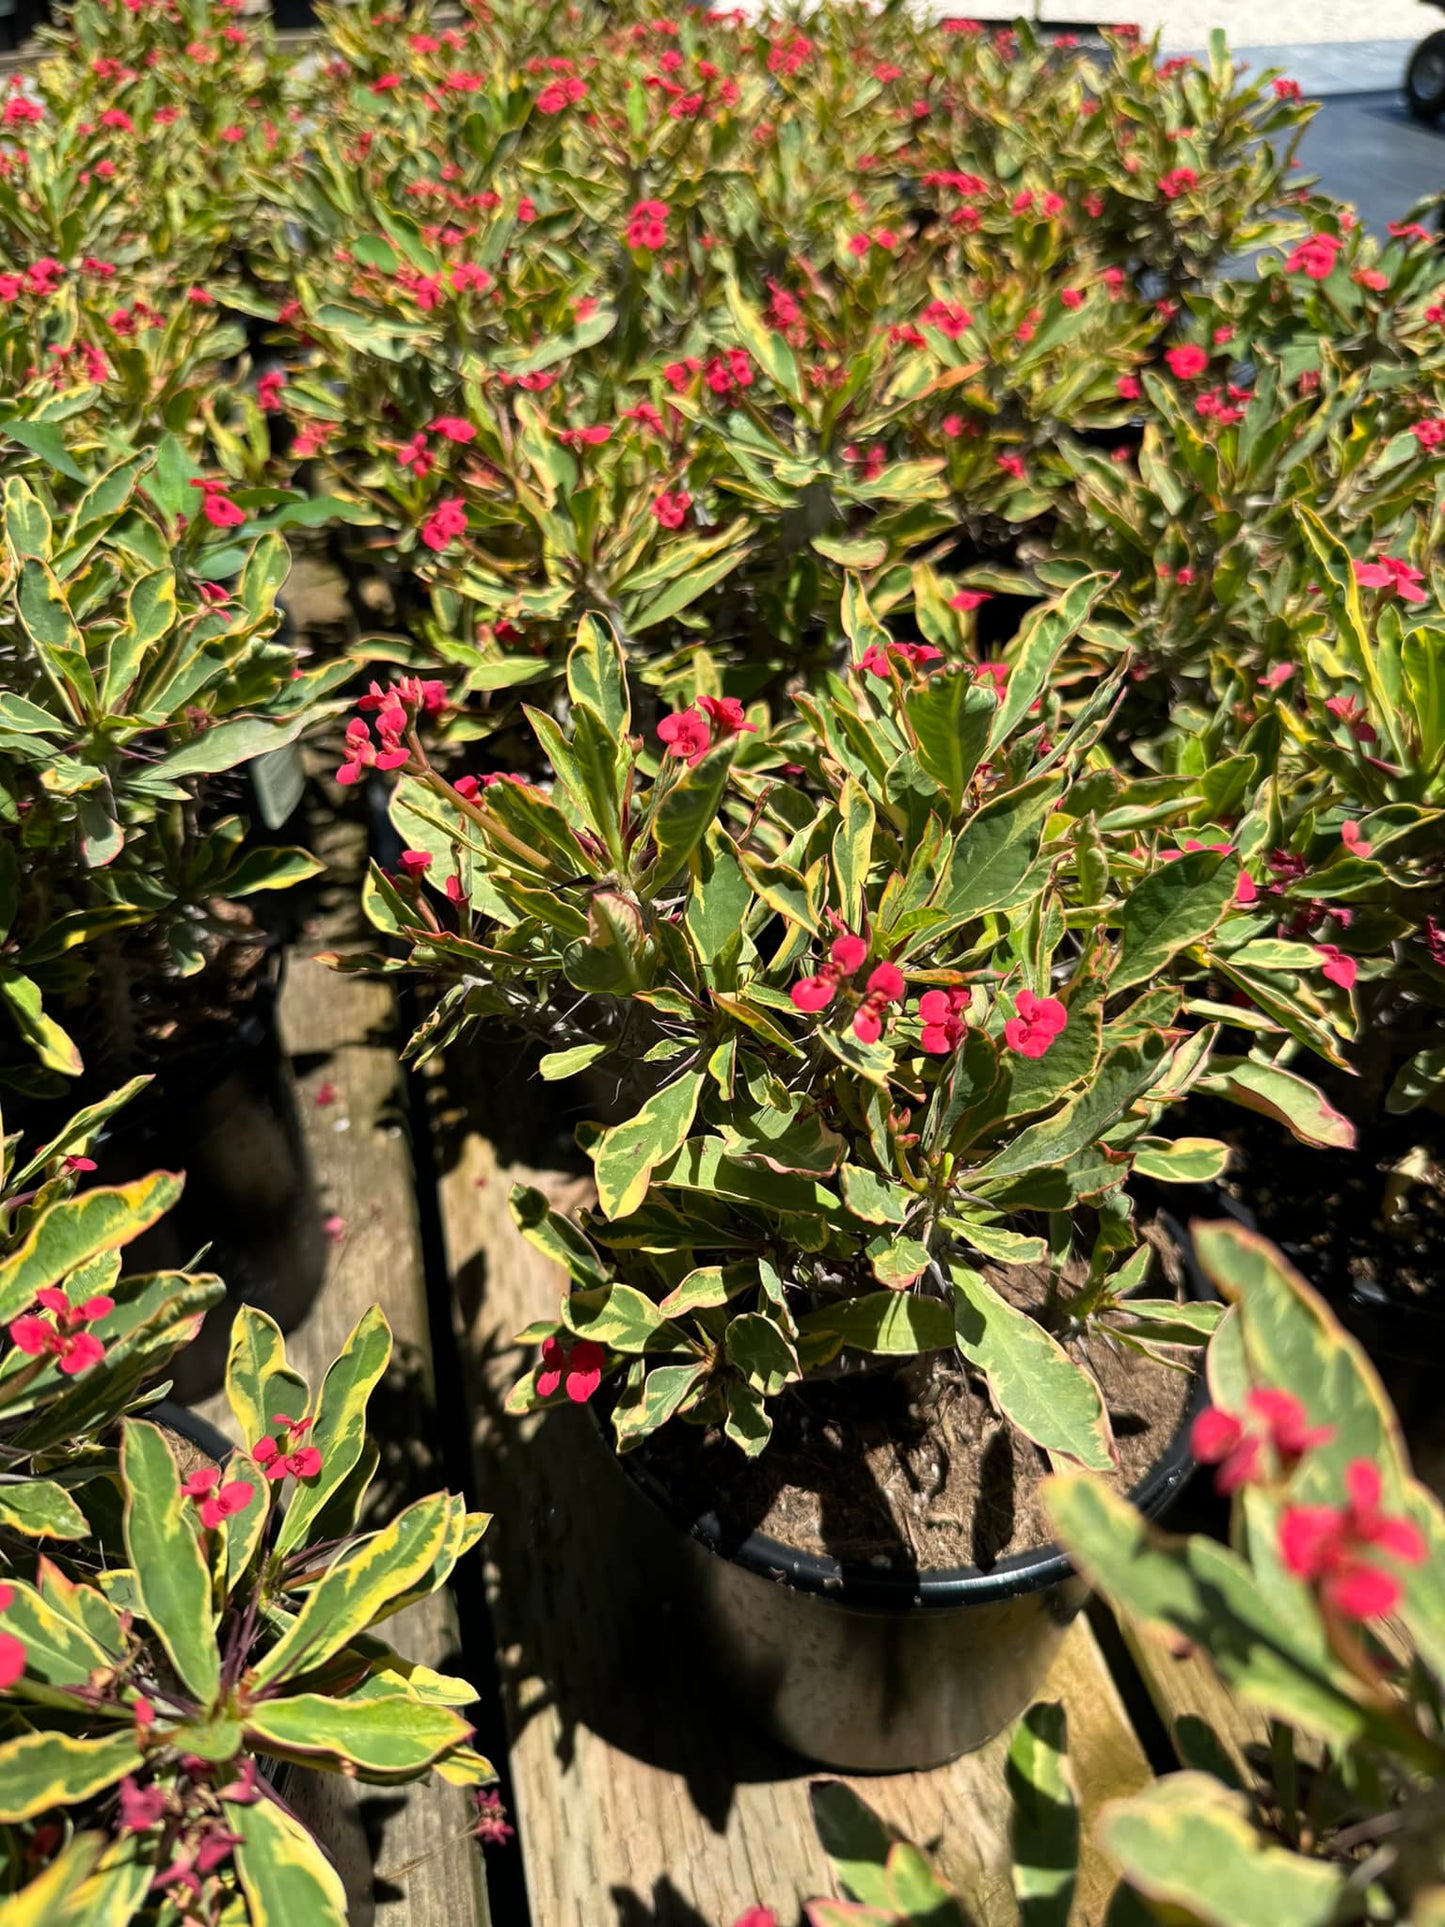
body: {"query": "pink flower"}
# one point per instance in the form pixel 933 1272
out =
pixel 414 862
pixel 559 94
pixel 468 278
pixel 647 225
pixel 1246 890
pixel 727 717
pixel 1187 361
pixel 1286 89
pixel 760 1916
pixel 941 1012
pixel 885 987
pixel 1351 712
pixel 1429 434
pixel 1329 1546
pixel 671 509
pixel 62 1336
pixel 577 1368
pixel 453 428
pixel 846 955
pixel 1280 1424
pixel 141 1808
pixel 278 1457
pixel 686 735
pixel 1276 677
pixel 491 1826
pixel 877 658
pixel 446 522
pixel 218 508
pixel 1127 387
pixel 268 390
pixel 1177 181
pixel 1011 465
pixel 969 599
pixel 1337 967
pixel 1038 1021
pixel 1394 575
pixel 1315 257
pixel 217 1502
pixel 12 1660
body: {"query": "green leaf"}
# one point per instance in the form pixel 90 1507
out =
pixel 1181 1160
pixel 950 716
pixel 856 1842
pixel 554 1236
pixel 708 1287
pixel 60 1650
pixel 1044 1832
pixel 626 1155
pixel 172 1580
pixel 995 851
pixel 1188 1843
pixel 1175 906
pixel 1122 1075
pixel 352 1594
pixel 665 1391
pixel 1292 1101
pixel 875 1199
pixel 44 1036
pixel 894 1323
pixel 284 1875
pixel 43 1771
pixel 762 1353
pixel 1033 1380
pixel 558 1064
pixel 340 1429
pixel 45 615
pixel 597 675
pixel 269 869
pixel 45 440
pixel 42 1510
pixel 78 1229
pixel 1040 643
pixel 392 1734
pixel 687 810
pixel 259 1383
pixel 226 745
pixel 619 1316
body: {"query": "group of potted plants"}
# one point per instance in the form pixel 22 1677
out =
pixel 920 694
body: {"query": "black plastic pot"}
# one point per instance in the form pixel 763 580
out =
pixel 226 1116
pixel 863 1669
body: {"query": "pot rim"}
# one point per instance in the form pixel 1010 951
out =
pixel 944 1588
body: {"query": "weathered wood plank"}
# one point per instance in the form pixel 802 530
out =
pixel 1185 1688
pixel 638 1800
pixel 340 1033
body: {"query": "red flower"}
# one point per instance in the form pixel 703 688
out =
pixel 1337 968
pixel 764 1916
pixel 686 735
pixel 217 1502
pixel 1187 361
pixel 414 862
pixel 1286 89
pixel 468 278
pixel 1012 465
pixel 141 1808
pixel 62 1335
pixel 647 225
pixel 277 1458
pixel 268 390
pixel 877 657
pixel 1237 1448
pixel 1127 388
pixel 1315 257
pixel 1038 1022
pixel 846 955
pixel 969 599
pixel 446 522
pixel 12 1660
pixel 1353 838
pixel 559 94
pixel 950 318
pixel 592 436
pixel 218 508
pixel 1177 181
pixel 671 510
pixel 577 1368
pixel 726 715
pixel 1328 1546
pixel 885 987
pixel 941 1012
pixel 1395 576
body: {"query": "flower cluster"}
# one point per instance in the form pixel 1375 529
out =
pixel 63 1335
pixel 216 1500
pixel 278 1455
pixel 396 709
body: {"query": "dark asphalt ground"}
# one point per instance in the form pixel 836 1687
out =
pixel 1365 148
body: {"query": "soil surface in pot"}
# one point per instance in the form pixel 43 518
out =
pixel 1369 1221
pixel 912 1468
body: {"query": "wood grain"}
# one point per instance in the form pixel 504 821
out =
pixel 640 1802
pixel 340 1032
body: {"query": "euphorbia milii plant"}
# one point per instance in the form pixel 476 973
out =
pixel 902 982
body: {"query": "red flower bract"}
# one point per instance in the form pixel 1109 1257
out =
pixel 686 734
pixel 1038 1022
pixel 1187 361
pixel 1329 1546
pixel 446 522
pixel 577 1368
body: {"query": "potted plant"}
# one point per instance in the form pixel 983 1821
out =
pixel 192 1637
pixel 899 991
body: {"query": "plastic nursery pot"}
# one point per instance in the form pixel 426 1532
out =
pixel 868 1670
pixel 225 1114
